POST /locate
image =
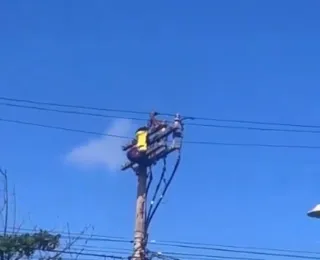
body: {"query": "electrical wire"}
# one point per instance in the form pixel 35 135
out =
pixel 179 254
pixel 164 169
pixel 71 106
pixel 255 128
pixel 71 112
pixel 209 143
pixel 240 251
pixel 194 245
pixel 61 128
pixel 114 240
pixel 224 250
pixel 150 179
pixel 168 255
pixel 206 256
pixel 144 119
pixel 74 234
pixel 238 247
pixel 90 248
pixel 165 190
pixel 28 101
pixel 88 254
pixel 199 256
pixel 190 142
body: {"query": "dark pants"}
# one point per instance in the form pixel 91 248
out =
pixel 134 155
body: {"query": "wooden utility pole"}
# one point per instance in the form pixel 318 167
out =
pixel 147 148
pixel 140 235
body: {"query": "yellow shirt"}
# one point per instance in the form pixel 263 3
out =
pixel 141 137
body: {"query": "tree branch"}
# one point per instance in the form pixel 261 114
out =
pixel 71 242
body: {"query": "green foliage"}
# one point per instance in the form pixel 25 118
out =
pixel 25 245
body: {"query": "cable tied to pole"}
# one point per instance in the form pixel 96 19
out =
pixel 152 212
pixel 150 178
pixel 164 169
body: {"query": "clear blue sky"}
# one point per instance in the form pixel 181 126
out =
pixel 252 60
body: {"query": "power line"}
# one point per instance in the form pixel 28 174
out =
pixel 146 113
pixel 88 248
pixel 73 235
pixel 238 247
pixel 255 128
pixel 184 255
pixel 165 189
pixel 197 247
pixel 180 254
pixel 209 143
pixel 143 119
pixel 194 245
pixel 102 249
pixel 211 245
pixel 89 254
pixel 240 251
pixel 71 112
pixel 233 127
pixel 72 106
pixel 188 255
pixel 253 145
pixel 61 128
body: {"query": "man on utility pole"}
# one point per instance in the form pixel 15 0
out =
pixel 146 149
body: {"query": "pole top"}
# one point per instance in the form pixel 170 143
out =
pixel 154 113
pixel 177 117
